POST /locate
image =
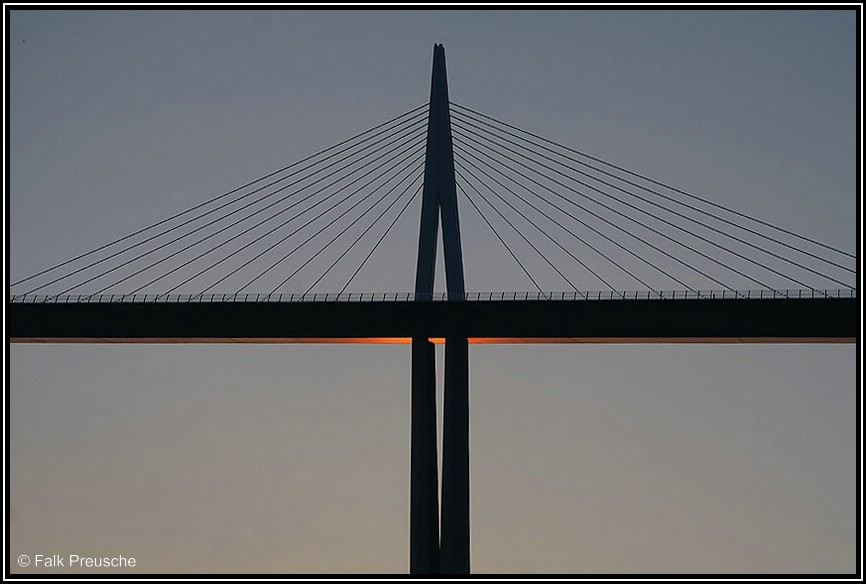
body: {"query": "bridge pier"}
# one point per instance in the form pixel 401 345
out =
pixel 451 555
pixel 424 497
pixel 454 552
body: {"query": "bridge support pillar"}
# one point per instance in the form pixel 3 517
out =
pixel 424 498
pixel 440 200
pixel 454 552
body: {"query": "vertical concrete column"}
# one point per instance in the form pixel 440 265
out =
pixel 439 199
pixel 424 495
pixel 454 546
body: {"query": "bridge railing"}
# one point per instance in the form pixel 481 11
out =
pixel 436 297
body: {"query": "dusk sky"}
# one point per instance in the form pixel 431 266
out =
pixel 627 459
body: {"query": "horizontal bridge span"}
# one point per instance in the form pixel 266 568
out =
pixel 575 295
pixel 811 320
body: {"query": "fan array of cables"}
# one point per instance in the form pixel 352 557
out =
pixel 268 233
pixel 572 220
pixel 564 220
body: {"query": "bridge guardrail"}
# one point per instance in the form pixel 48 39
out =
pixel 574 295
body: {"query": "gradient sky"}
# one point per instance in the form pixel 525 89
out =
pixel 295 458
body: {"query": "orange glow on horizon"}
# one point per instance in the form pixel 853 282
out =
pixel 434 340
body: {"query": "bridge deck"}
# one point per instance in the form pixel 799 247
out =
pixel 807 320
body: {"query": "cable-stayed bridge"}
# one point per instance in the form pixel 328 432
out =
pixel 596 253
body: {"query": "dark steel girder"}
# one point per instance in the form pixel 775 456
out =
pixel 590 321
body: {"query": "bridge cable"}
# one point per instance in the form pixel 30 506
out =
pixel 417 139
pixel 575 218
pixel 520 233
pixel 644 225
pixel 565 249
pixel 653 203
pixel 417 152
pixel 344 230
pixel 480 162
pixel 661 184
pixel 458 148
pixel 237 222
pixel 233 191
pixel 363 233
pixel 499 237
pixel 603 219
pixel 309 222
pixel 225 215
pixel 638 222
pixel 382 237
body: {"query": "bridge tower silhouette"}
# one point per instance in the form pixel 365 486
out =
pixel 429 553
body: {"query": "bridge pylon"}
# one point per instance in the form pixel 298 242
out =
pixel 431 553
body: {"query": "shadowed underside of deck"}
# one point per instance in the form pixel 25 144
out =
pixel 615 321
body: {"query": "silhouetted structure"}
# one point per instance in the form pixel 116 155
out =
pixel 440 197
pixel 442 545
